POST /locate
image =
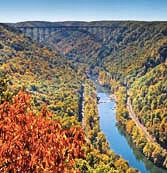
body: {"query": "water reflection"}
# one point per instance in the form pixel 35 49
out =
pixel 139 156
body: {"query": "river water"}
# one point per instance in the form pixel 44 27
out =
pixel 119 142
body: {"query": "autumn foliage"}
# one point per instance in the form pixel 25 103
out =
pixel 33 143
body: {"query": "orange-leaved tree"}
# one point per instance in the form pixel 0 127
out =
pixel 33 143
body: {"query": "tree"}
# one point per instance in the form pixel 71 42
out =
pixel 31 143
pixel 4 93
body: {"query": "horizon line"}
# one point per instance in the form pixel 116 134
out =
pixel 89 21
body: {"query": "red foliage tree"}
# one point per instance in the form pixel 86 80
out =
pixel 32 143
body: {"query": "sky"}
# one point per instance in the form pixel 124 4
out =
pixel 82 10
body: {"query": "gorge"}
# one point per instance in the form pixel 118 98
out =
pixel 54 61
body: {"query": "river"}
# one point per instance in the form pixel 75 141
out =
pixel 119 141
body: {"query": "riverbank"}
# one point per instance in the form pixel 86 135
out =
pixel 137 136
pixel 99 156
pixel 152 151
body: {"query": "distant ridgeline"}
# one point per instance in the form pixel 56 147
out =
pixel 40 31
pixel 90 42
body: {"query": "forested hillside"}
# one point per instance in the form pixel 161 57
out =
pixel 54 84
pixel 40 104
pixel 143 73
pixel 138 72
pixel 41 72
